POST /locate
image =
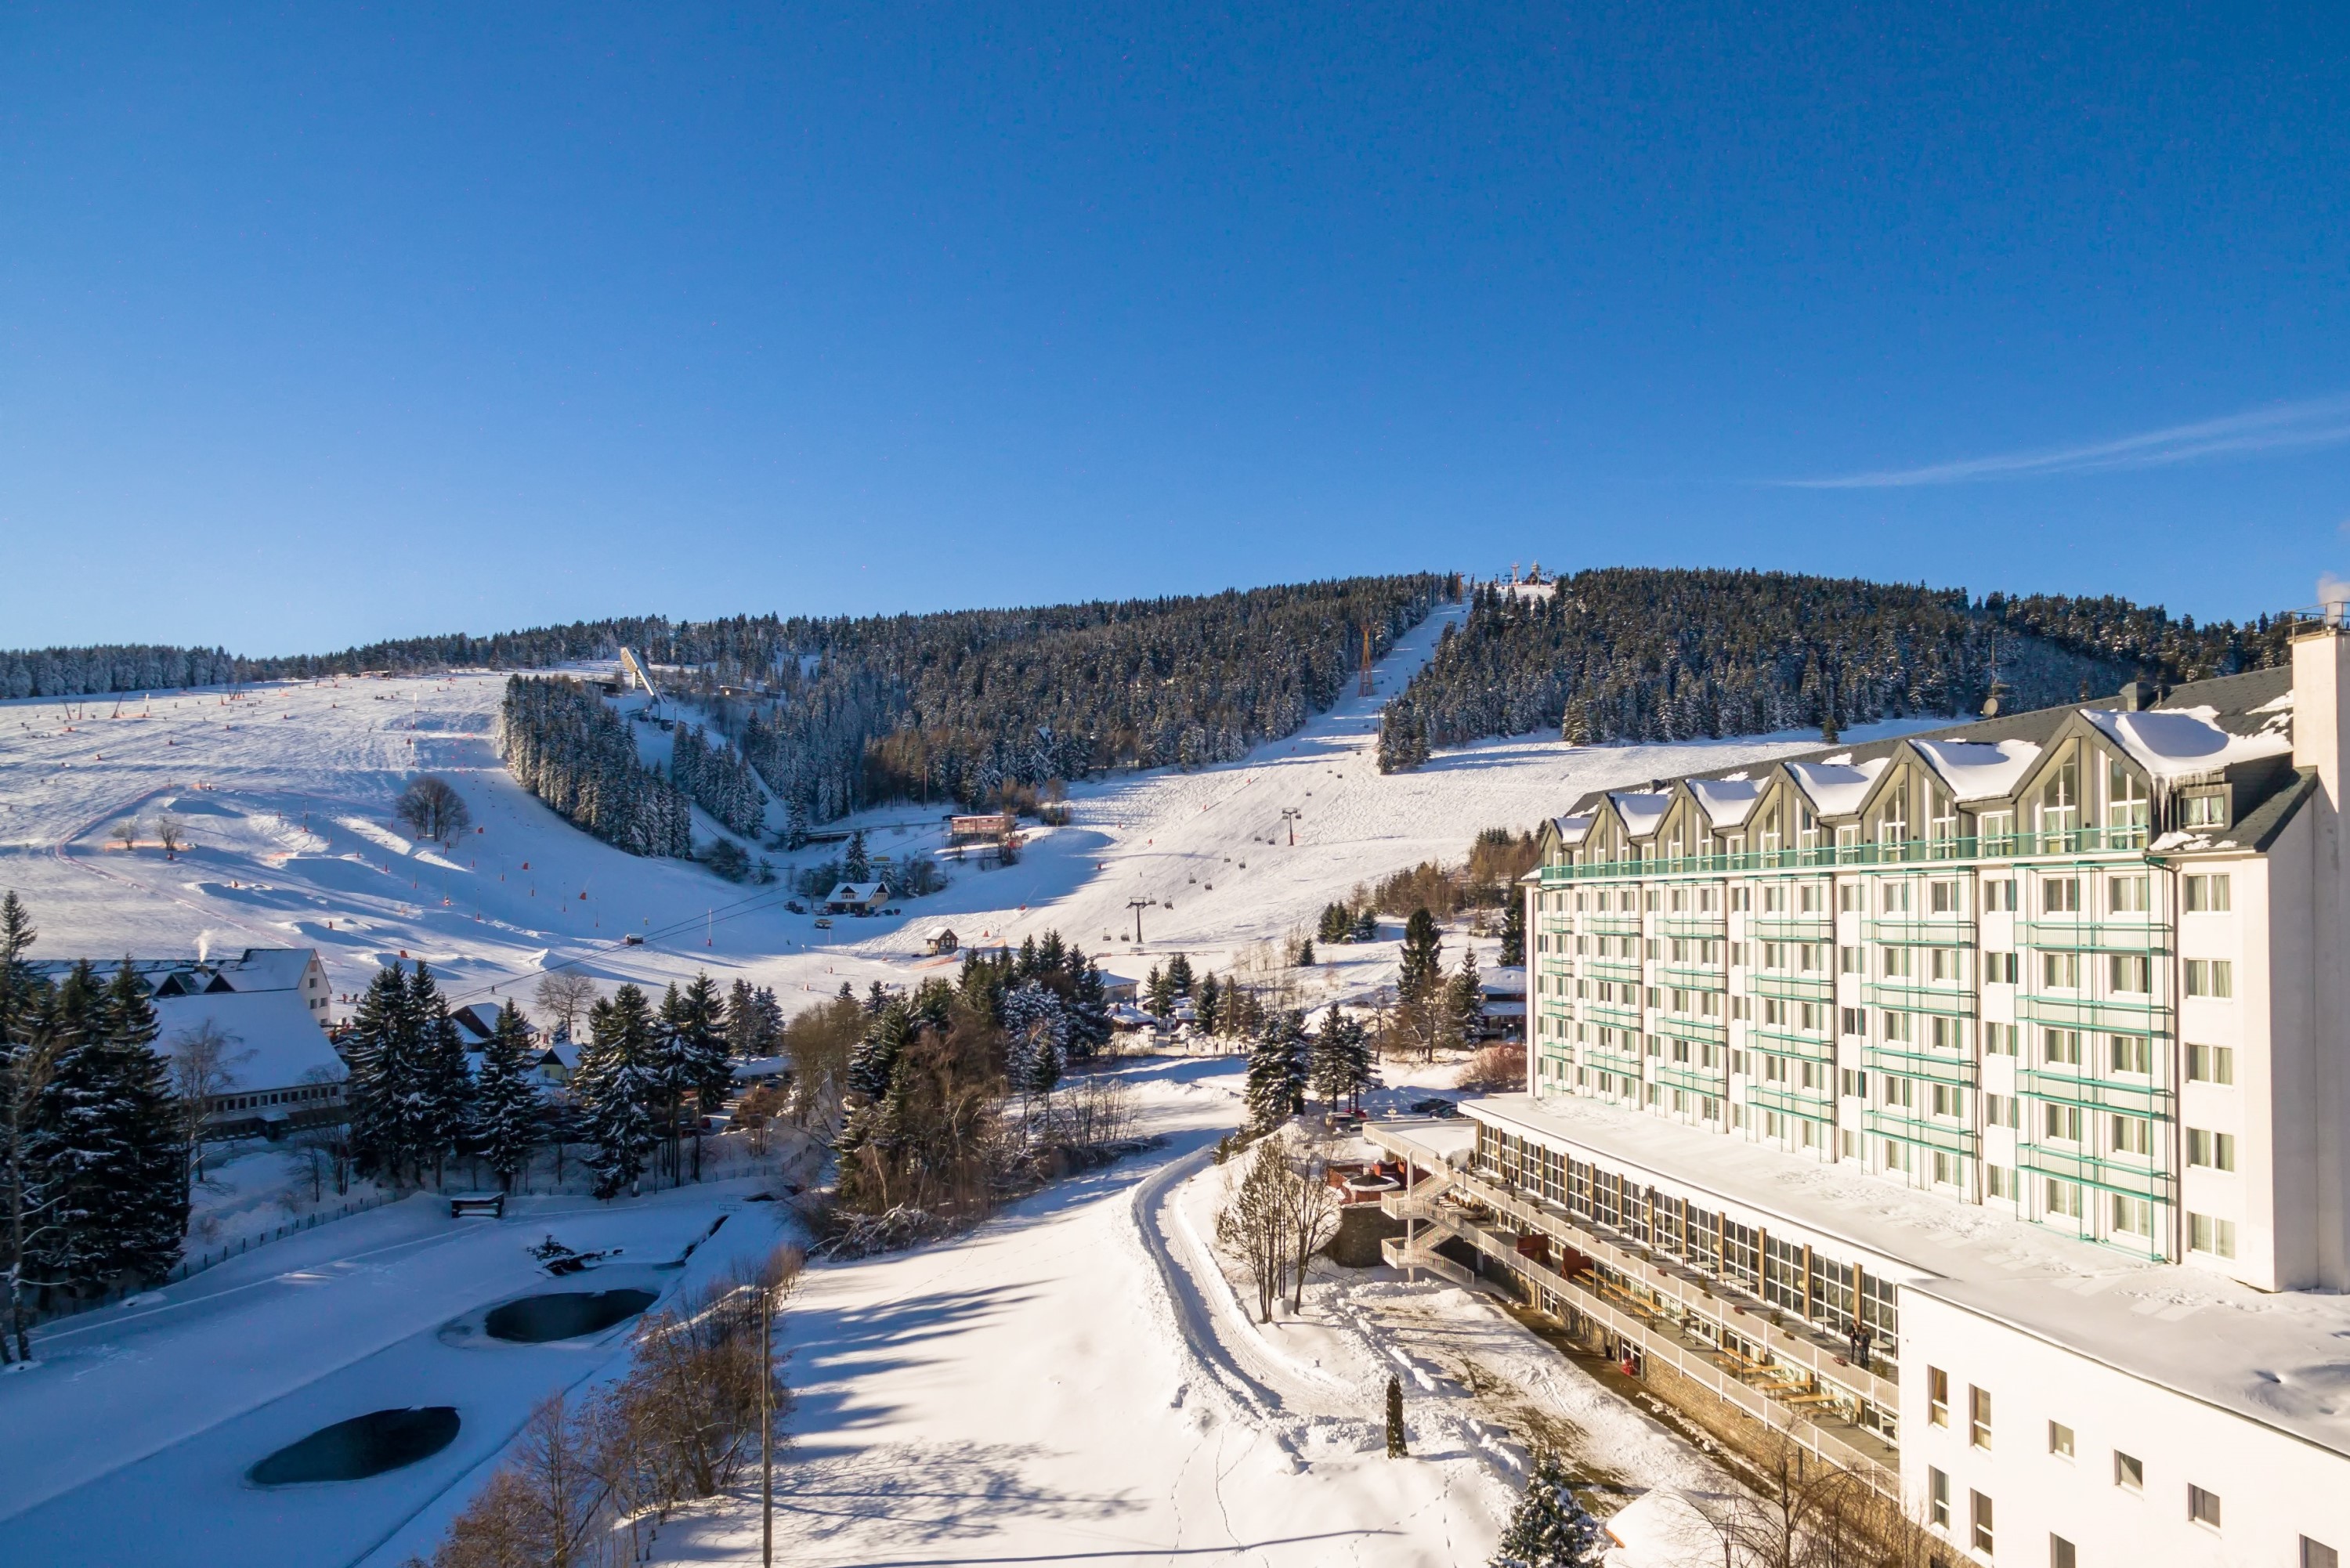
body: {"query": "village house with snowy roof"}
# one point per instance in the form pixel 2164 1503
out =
pixel 856 898
pixel 267 1011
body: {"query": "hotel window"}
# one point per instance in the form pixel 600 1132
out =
pixel 2317 1554
pixel 2060 895
pixel 1943 964
pixel 1996 827
pixel 2131 1135
pixel 1942 897
pixel 2126 895
pixel 2060 972
pixel 2204 811
pixel 1949 1033
pixel 1896 1027
pixel 1999 1039
pixel 2126 803
pixel 1999 1181
pixel 1938 1496
pixel 2208 895
pixel 1897 897
pixel 2129 973
pixel 1999 968
pixel 1948 1101
pixel 2060 1554
pixel 2206 1233
pixel 1998 893
pixel 2130 1473
pixel 1853 1021
pixel 2062 1198
pixel 2211 1065
pixel 2203 1507
pixel 1981 1513
pixel 1938 1397
pixel 1853 1084
pixel 2060 1439
pixel 1897 1091
pixel 2063 1046
pixel 1895 964
pixel 1979 1418
pixel 2062 1123
pixel 2211 977
pixel 1848 960
pixel 2132 1215
pixel 2000 1110
pixel 2130 1053
pixel 2213 1150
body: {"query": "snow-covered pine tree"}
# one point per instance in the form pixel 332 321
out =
pixel 858 864
pixel 1036 1034
pixel 1549 1528
pixel 1159 992
pixel 1276 1070
pixel 103 1151
pixel 1179 975
pixel 1339 1061
pixel 670 1078
pixel 1419 965
pixel 1088 1007
pixel 1465 997
pixel 701 1024
pixel 507 1122
pixel 1367 925
pixel 1208 1006
pixel 148 1220
pixel 615 1091
pixel 438 1096
pixel 377 1051
pixel 875 1059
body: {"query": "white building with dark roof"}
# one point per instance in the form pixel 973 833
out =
pixel 1972 1108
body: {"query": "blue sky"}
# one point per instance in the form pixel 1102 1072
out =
pixel 319 323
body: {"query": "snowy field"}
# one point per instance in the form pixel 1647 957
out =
pixel 286 792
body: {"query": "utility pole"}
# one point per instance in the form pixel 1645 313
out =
pixel 1137 906
pixel 1365 689
pixel 1289 815
pixel 766 1423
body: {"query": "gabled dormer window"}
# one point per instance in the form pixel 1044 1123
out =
pixel 2205 809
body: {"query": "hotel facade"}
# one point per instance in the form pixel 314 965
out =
pixel 1970 1106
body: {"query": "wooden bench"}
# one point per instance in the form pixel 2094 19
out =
pixel 493 1204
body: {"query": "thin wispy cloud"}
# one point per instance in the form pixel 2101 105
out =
pixel 2286 427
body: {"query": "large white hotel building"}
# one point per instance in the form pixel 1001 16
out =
pixel 1973 1108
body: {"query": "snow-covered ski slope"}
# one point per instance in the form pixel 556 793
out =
pixel 285 796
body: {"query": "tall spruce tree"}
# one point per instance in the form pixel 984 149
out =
pixel 1276 1070
pixel 616 1091
pixel 1420 966
pixel 1513 930
pixel 875 1059
pixel 150 1221
pixel 377 1051
pixel 702 1056
pixel 1179 975
pixel 25 1060
pixel 1465 997
pixel 438 1096
pixel 506 1125
pixel 1339 1063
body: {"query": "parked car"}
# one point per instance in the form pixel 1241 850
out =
pixel 1434 1108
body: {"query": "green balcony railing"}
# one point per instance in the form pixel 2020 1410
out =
pixel 2135 1097
pixel 1950 1000
pixel 2072 841
pixel 1910 1062
pixel 1817 987
pixel 2150 938
pixel 2132 1178
pixel 1920 1131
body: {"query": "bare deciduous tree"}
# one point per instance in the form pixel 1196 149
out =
pixel 1801 1511
pixel 1313 1208
pixel 202 1057
pixel 1254 1222
pixel 126 832
pixel 564 995
pixel 171 834
pixel 431 808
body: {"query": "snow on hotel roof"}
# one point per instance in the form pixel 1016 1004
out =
pixel 1978 770
pixel 1641 812
pixel 1837 785
pixel 1727 802
pixel 2180 745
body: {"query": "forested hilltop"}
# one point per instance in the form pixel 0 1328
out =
pixel 1626 654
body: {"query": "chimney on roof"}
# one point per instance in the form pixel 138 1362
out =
pixel 2137 697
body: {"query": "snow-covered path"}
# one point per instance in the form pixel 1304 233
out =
pixel 1076 1381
